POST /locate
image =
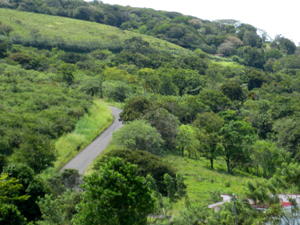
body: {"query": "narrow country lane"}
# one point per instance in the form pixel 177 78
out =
pixel 81 161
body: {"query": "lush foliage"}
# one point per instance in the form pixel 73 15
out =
pixel 218 119
pixel 148 164
pixel 139 135
pixel 115 195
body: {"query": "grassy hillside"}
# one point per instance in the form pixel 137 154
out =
pixel 67 30
pixel 200 178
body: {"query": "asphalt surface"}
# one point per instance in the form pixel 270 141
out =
pixel 81 161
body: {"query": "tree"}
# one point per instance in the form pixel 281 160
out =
pixel 187 81
pixel 256 79
pixel 165 123
pixel 134 108
pixel 147 164
pixel 66 71
pixel 273 53
pixel 116 90
pixel 93 85
pixel 34 33
pixel 210 123
pixel 226 48
pixel 254 57
pixel 115 195
pixel 187 140
pixel 189 107
pixel 3 162
pixel 136 44
pixel 68 179
pixel 176 190
pixel 170 103
pixel 144 77
pixel 10 215
pixel 166 85
pixel 38 152
pixel 139 135
pixel 3 50
pixel 32 187
pixel 216 100
pixel 236 135
pixel 285 44
pixel 268 156
pixel 233 91
pixel 9 193
pixel 59 210
pixel 258 113
pixel 252 39
pixel 287 134
pixel 6 29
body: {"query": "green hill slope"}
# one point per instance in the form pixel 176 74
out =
pixel 45 31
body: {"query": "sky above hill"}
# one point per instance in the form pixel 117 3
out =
pixel 279 17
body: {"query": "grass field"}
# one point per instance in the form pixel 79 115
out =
pixel 87 129
pixel 73 30
pixel 200 178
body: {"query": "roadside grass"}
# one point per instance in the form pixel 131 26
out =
pixel 72 30
pixel 87 129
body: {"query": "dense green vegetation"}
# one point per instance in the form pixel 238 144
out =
pixel 196 124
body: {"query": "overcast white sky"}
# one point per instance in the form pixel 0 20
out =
pixel 275 17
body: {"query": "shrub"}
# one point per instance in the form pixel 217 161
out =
pixel 116 90
pixel 139 135
pixel 227 183
pixel 21 58
pixel 135 108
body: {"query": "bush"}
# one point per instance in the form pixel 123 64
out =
pixel 165 123
pixel 227 183
pixel 21 58
pixel 147 164
pixel 116 90
pixel 139 135
pixel 135 108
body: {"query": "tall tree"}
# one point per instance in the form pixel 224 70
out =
pixel 38 152
pixel 165 123
pixel 268 156
pixel 236 136
pixel 210 123
pixel 135 108
pixel 32 186
pixel 145 76
pixel 187 139
pixel 115 195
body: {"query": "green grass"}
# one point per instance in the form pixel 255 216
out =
pixel 230 64
pixel 200 178
pixel 87 129
pixel 73 30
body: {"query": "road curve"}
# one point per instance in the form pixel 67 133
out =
pixel 81 161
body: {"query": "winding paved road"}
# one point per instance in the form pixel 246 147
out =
pixel 81 161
